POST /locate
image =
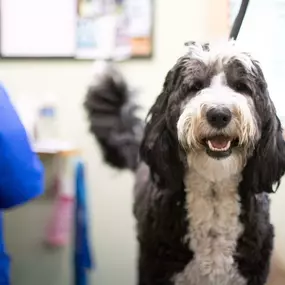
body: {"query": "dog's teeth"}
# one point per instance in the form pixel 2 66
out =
pixel 219 149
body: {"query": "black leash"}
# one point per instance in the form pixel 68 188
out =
pixel 239 19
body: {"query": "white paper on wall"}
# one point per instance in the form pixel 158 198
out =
pixel 139 12
pixel 38 27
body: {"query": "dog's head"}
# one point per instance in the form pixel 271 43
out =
pixel 215 115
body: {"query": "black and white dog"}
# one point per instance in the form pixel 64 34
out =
pixel 212 149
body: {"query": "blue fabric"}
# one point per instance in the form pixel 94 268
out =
pixel 82 254
pixel 21 172
pixel 4 258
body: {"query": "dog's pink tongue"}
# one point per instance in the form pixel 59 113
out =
pixel 219 142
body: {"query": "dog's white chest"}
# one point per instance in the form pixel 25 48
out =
pixel 213 213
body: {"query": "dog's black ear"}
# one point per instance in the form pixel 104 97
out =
pixel 267 164
pixel 159 147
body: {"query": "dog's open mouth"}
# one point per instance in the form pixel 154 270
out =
pixel 219 146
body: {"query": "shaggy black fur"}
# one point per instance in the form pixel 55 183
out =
pixel 161 152
pixel 162 224
pixel 159 191
pixel 111 114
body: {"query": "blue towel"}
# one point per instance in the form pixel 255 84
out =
pixel 82 256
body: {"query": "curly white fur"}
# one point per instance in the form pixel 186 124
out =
pixel 212 200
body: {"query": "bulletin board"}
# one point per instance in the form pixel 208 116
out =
pixel 76 29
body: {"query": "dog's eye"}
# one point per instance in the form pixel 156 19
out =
pixel 242 88
pixel 197 86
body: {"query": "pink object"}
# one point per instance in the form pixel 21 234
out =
pixel 60 226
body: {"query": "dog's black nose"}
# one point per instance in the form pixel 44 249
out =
pixel 219 117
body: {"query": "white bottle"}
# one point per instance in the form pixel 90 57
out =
pixel 47 124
